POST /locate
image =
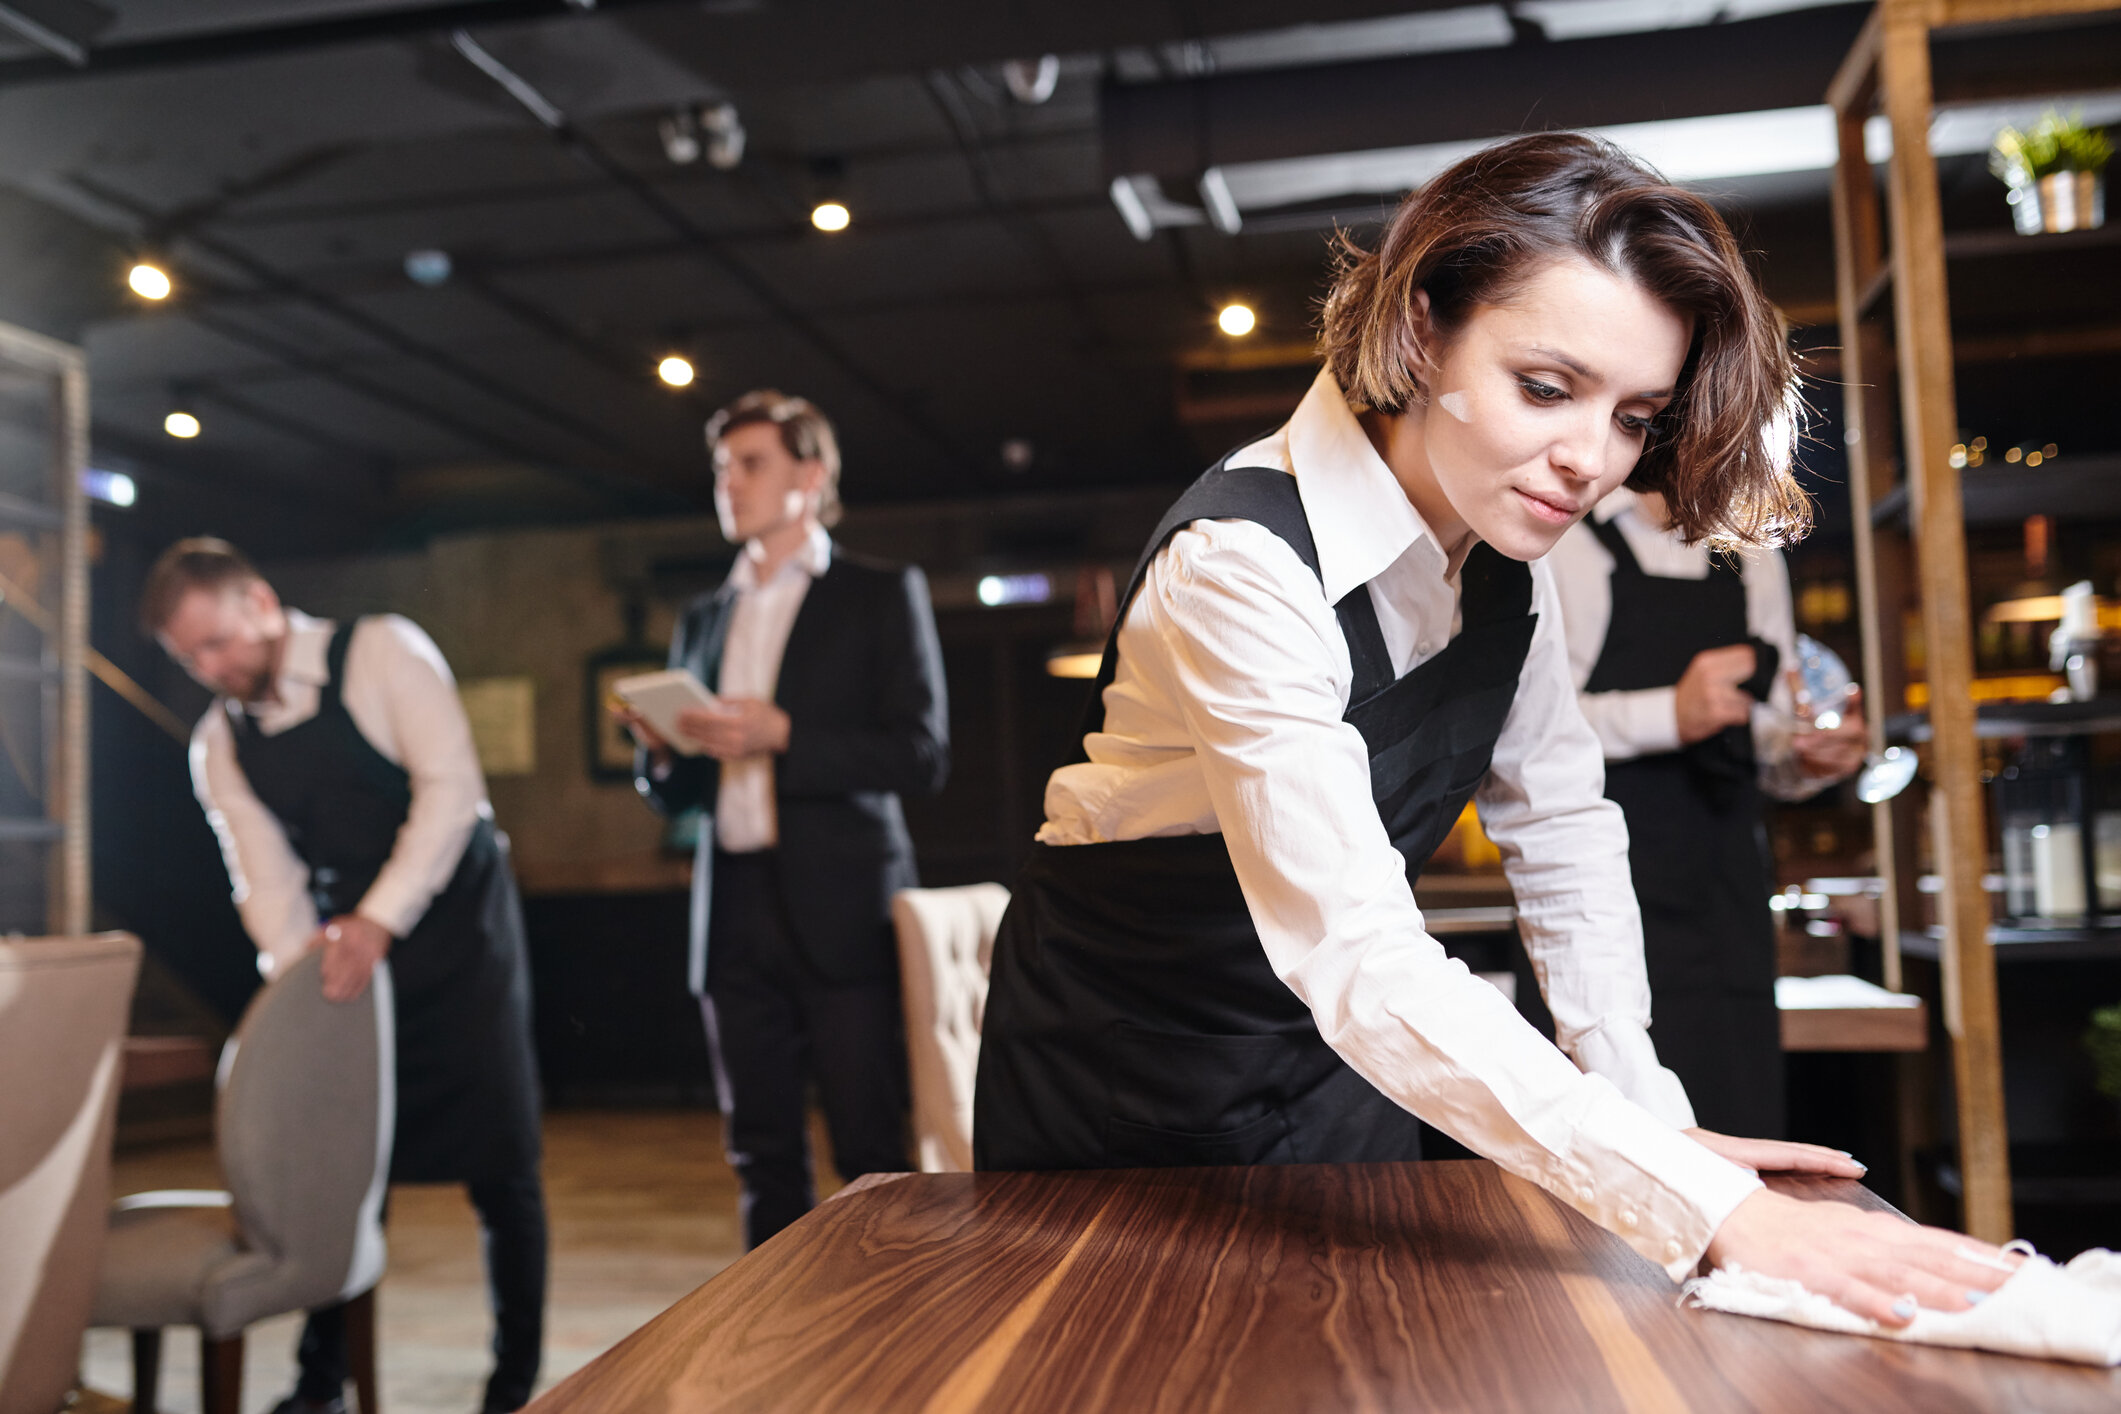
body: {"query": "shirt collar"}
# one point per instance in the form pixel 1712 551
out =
pixel 308 647
pixel 1619 499
pixel 1361 519
pixel 813 559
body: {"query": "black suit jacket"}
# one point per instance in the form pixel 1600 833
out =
pixel 862 684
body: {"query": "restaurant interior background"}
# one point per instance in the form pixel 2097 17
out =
pixel 452 287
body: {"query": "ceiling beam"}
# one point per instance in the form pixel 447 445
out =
pixel 1180 127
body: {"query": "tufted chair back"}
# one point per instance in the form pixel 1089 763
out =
pixel 945 946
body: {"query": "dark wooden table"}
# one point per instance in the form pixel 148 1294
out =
pixel 1438 1286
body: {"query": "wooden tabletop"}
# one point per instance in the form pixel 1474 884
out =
pixel 1374 1287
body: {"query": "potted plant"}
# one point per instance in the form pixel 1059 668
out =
pixel 2056 172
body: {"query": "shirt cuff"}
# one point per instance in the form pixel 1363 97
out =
pixel 1683 1195
pixel 1639 722
pixel 395 915
pixel 1621 1051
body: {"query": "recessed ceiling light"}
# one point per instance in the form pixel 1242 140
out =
pixel 181 424
pixel 149 281
pixel 1236 320
pixel 675 371
pixel 830 216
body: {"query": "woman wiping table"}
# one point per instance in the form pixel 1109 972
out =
pixel 1338 636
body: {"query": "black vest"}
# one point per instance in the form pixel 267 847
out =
pixel 1132 1017
pixel 467 1082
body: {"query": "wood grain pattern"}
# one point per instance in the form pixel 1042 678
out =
pixel 1446 1286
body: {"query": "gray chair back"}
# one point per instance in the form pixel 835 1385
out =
pixel 63 1009
pixel 307 1106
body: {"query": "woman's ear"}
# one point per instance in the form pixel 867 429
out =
pixel 1417 343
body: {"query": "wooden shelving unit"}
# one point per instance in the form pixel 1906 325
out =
pixel 52 378
pixel 1891 257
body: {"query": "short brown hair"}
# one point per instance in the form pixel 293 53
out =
pixel 1476 232
pixel 201 562
pixel 805 432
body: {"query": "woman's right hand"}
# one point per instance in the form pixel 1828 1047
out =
pixel 1878 1265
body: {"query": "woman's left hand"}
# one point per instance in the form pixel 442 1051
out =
pixel 1778 1156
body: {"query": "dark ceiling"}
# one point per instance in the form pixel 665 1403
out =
pixel 283 158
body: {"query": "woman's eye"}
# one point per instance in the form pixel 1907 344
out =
pixel 1641 427
pixel 1540 392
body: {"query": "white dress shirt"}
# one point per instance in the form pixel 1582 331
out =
pixel 402 698
pixel 745 820
pixel 1645 721
pixel 1227 716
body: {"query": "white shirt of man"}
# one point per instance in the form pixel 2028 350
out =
pixel 402 698
pixel 1227 716
pixel 745 820
pixel 1645 721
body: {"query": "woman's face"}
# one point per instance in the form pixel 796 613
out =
pixel 1538 407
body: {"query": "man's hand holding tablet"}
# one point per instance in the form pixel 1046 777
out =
pixel 674 712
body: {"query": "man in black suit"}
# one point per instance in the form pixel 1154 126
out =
pixel 831 706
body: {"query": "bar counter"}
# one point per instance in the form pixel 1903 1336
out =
pixel 1436 1286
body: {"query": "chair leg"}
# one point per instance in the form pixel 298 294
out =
pixel 361 1349
pixel 147 1370
pixel 221 1374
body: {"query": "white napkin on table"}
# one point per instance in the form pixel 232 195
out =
pixel 2054 1312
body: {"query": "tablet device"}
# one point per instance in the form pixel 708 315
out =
pixel 659 697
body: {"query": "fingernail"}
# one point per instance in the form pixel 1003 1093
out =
pixel 1975 1298
pixel 1904 1308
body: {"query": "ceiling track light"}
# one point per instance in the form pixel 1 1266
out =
pixel 676 371
pixel 724 131
pixel 181 425
pixel 828 177
pixel 1236 319
pixel 149 280
pixel 1032 81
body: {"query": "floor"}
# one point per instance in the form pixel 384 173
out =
pixel 642 1207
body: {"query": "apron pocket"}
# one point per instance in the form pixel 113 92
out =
pixel 1146 1146
pixel 1186 1097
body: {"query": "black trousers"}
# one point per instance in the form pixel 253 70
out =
pixel 772 1026
pixel 512 1235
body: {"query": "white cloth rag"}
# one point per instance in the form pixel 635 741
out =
pixel 2054 1312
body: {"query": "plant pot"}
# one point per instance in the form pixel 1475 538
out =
pixel 2059 201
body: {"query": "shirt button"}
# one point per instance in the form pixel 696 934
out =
pixel 1672 1249
pixel 1587 1193
pixel 1627 1217
pixel 1425 648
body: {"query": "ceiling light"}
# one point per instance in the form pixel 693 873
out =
pixel 113 488
pixel 830 216
pixel 1080 661
pixel 676 371
pixel 149 281
pixel 428 267
pixel 998 590
pixel 182 425
pixel 1236 320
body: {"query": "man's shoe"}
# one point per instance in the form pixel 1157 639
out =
pixel 296 1404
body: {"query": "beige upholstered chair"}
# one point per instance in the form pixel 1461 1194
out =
pixel 303 1126
pixel 945 946
pixel 63 1009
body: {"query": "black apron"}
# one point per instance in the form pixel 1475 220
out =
pixel 1132 1017
pixel 1698 850
pixel 467 1081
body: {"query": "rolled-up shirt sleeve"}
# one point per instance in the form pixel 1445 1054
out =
pixel 267 879
pixel 401 694
pixel 1237 629
pixel 1565 850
